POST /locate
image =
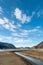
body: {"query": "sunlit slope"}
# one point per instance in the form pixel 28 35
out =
pixel 40 46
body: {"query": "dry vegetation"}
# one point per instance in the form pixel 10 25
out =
pixel 36 53
pixel 9 58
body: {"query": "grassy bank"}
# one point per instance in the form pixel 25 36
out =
pixel 36 53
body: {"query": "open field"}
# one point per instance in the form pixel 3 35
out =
pixel 9 58
pixel 35 53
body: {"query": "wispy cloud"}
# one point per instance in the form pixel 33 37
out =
pixel 24 42
pixel 0 39
pixel 39 13
pixel 27 32
pixel 7 24
pixel 19 25
pixel 21 16
pixel 5 39
pixel 18 13
pixel 19 41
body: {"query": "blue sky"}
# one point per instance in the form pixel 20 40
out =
pixel 21 22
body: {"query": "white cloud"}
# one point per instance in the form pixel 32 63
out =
pixel 15 34
pixel 2 21
pixel 6 39
pixel 24 33
pixel 18 25
pixel 19 41
pixel 12 25
pixel 38 27
pixel 22 17
pixel 7 24
pixel 13 30
pixel 27 32
pixel 33 30
pixel 6 20
pixel 0 39
pixel 18 13
pixel 23 42
pixel 16 41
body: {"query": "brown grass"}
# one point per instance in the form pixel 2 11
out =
pixel 37 53
pixel 10 58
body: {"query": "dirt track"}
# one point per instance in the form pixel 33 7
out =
pixel 8 58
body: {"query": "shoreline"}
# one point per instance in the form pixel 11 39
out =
pixel 35 53
pixel 9 58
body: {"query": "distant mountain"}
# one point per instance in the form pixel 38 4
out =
pixel 27 47
pixel 23 47
pixel 40 45
pixel 6 46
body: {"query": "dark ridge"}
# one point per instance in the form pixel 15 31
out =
pixel 6 46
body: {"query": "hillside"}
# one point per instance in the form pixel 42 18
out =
pixel 40 45
pixel 6 46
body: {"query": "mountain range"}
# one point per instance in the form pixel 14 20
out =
pixel 6 46
pixel 40 46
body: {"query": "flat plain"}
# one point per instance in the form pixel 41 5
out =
pixel 10 58
pixel 35 53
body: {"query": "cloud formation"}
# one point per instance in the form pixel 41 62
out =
pixel 39 13
pixel 7 24
pixel 27 32
pixel 19 34
pixel 21 16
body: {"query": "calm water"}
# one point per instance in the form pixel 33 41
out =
pixel 37 62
